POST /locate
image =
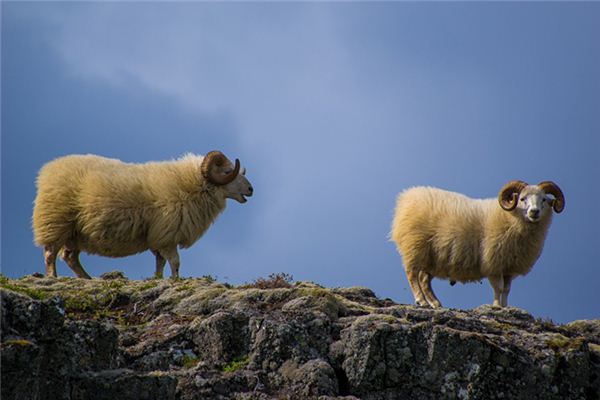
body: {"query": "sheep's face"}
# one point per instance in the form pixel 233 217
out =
pixel 534 204
pixel 239 188
pixel 531 201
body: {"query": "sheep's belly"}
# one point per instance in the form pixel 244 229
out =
pixel 110 242
pixel 459 273
pixel 113 249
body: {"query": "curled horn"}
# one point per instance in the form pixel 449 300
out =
pixel 509 194
pixel 559 198
pixel 217 159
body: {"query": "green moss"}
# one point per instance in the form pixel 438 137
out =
pixel 324 300
pixel 148 285
pixel 236 363
pixel 112 285
pixel 33 293
pixel 96 303
pixel 503 326
pixel 190 361
pixel 80 302
pixel 316 292
pixel 390 319
pixel 562 343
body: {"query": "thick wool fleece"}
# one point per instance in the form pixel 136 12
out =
pixel 111 208
pixel 452 236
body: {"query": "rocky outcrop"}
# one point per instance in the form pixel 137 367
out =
pixel 121 339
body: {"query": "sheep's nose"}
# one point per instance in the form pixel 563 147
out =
pixel 534 213
pixel 250 190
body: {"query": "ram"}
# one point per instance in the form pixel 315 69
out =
pixel 448 235
pixel 107 207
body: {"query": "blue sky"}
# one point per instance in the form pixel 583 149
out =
pixel 333 108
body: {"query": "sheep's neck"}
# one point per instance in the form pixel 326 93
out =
pixel 198 210
pixel 520 244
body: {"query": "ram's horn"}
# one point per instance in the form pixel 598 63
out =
pixel 553 189
pixel 509 194
pixel 212 161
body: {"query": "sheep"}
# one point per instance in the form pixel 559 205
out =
pixel 111 208
pixel 448 235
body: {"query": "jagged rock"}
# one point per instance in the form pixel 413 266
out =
pixel 220 338
pixel 112 275
pixel 41 350
pixel 311 379
pixel 123 384
pixel 115 338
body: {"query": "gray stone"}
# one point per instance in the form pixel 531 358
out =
pixel 194 338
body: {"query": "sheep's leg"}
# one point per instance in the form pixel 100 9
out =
pixel 173 257
pixel 160 264
pixel 413 280
pixel 497 283
pixel 71 257
pixel 425 284
pixel 507 281
pixel 50 253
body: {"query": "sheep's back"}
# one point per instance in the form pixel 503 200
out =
pixel 136 207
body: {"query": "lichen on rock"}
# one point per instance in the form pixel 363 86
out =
pixel 114 338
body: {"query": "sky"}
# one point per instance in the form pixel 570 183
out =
pixel 334 108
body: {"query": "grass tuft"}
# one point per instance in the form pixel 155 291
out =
pixel 190 361
pixel 17 343
pixel 236 363
pixel 274 281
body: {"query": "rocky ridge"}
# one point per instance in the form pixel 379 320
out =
pixel 114 338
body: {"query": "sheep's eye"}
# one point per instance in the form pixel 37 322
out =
pixel 543 200
pixel 523 200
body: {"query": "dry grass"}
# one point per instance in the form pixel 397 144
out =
pixel 274 281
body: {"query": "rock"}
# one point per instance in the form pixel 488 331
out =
pixel 115 338
pixel 220 338
pixel 107 276
pixel 123 384
pixel 311 379
pixel 40 348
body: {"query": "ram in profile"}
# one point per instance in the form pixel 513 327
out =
pixel 111 208
pixel 448 235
